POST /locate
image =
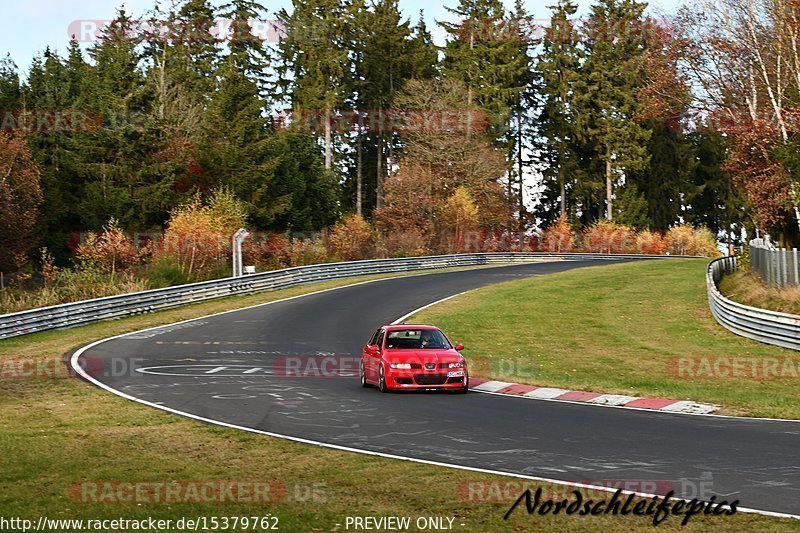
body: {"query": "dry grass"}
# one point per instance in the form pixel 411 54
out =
pixel 747 288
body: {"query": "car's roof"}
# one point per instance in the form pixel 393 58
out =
pixel 392 327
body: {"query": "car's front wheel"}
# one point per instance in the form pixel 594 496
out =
pixel 382 380
pixel 363 376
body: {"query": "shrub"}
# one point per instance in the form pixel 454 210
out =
pixel 607 237
pixel 352 239
pixel 266 250
pixel 531 243
pixel 459 216
pixel 405 243
pixel 305 252
pixel 109 250
pixel 69 285
pixel 509 241
pixel 687 240
pixel 166 272
pixel 558 237
pixel 198 235
pixel 648 242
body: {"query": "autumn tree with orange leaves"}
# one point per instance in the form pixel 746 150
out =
pixel 743 57
pixel 448 154
pixel 20 196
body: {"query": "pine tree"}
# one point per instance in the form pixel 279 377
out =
pixel 715 201
pixel 110 161
pixel 664 181
pixel 314 63
pixel 9 85
pixel 50 85
pixel 186 56
pixel 558 65
pixel 485 56
pixel 610 78
pixel 76 71
pixel 382 40
pixel 236 152
pixel 247 50
pixel 423 57
pixel 521 125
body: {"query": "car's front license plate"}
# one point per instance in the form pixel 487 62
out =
pixel 456 374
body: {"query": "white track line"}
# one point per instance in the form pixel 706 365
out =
pixel 80 371
pixel 415 311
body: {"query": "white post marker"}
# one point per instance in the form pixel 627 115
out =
pixel 238 237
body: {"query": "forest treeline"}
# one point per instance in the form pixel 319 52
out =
pixel 635 124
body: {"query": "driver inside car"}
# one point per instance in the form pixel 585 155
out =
pixel 427 340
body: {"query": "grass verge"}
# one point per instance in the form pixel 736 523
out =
pixel 747 288
pixel 60 436
pixel 640 329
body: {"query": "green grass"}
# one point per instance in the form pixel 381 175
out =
pixel 614 329
pixel 57 433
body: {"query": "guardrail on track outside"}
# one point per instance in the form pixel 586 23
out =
pixel 771 327
pixel 118 306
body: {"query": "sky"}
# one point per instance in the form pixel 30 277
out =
pixel 32 25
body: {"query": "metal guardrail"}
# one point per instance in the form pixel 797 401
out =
pixel 763 325
pixel 110 307
pixel 776 266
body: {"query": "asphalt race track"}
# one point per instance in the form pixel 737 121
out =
pixel 223 368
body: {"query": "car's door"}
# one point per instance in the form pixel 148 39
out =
pixel 373 357
pixel 366 357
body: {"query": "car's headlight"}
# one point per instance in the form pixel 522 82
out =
pixel 401 366
pixel 456 365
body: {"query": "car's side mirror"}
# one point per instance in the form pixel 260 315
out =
pixel 374 349
pixel 459 346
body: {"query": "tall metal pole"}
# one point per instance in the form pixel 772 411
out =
pixel 238 237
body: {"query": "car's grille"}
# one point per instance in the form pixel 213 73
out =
pixel 430 379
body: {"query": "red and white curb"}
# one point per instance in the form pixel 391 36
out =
pixel 615 400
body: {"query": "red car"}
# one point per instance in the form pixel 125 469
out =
pixel 404 356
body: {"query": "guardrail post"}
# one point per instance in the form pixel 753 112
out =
pixel 784 276
pixel 772 266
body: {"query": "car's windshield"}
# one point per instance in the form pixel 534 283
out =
pixel 415 339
